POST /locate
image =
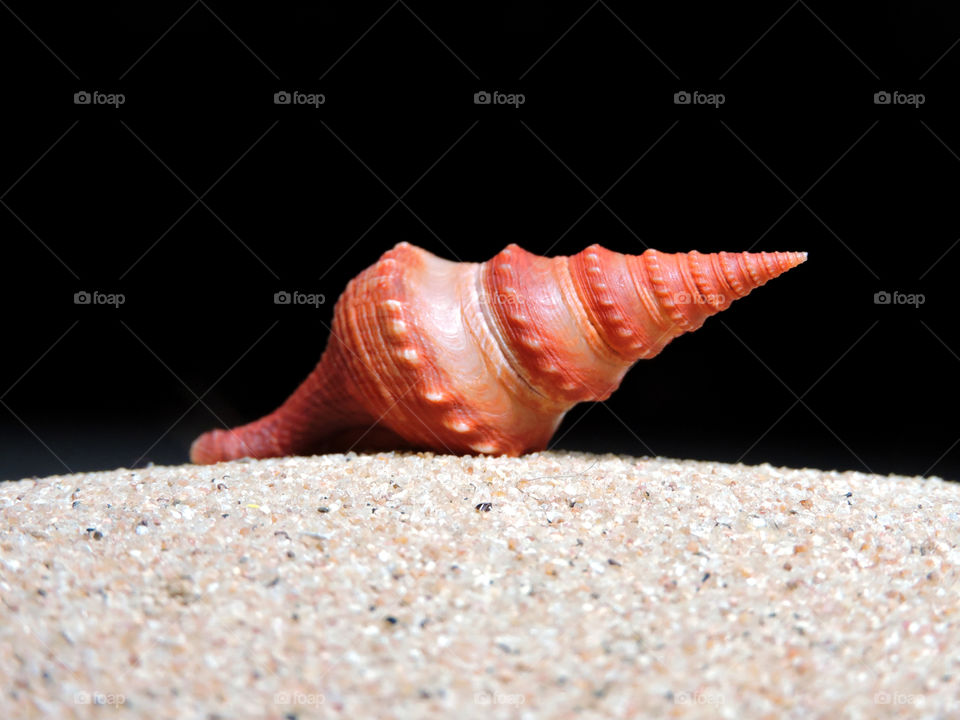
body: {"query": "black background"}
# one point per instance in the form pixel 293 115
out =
pixel 100 198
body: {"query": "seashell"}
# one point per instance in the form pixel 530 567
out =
pixel 488 357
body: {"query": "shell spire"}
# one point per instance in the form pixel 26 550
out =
pixel 488 357
pixel 675 293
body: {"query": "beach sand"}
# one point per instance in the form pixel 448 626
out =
pixel 557 585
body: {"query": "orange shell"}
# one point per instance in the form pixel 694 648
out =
pixel 488 357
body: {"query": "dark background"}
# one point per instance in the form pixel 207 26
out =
pixel 98 198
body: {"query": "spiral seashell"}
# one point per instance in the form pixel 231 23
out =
pixel 488 357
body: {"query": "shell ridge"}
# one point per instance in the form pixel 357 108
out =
pixel 593 316
pixel 662 289
pixel 492 324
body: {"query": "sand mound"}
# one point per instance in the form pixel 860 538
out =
pixel 555 585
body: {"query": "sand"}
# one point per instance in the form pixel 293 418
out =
pixel 414 586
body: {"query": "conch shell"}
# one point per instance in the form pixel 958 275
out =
pixel 488 357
